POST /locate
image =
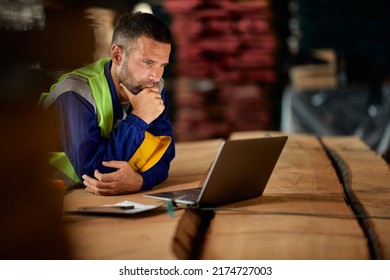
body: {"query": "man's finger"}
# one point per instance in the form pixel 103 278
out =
pixel 104 178
pixel 124 88
pixel 128 93
pixel 97 187
pixel 90 184
pixel 154 89
pixel 88 181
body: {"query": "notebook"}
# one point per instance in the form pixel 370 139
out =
pixel 241 170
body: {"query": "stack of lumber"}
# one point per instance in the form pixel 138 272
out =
pixel 225 63
pixel 316 76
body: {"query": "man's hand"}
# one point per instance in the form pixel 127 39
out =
pixel 123 181
pixel 147 104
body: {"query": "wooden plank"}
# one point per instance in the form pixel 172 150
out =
pixel 370 182
pixel 192 161
pixel 301 215
pixel 118 237
pixel 142 236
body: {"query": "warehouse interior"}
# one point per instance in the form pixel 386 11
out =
pixel 299 66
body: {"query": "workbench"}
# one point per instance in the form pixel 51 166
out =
pixel 327 199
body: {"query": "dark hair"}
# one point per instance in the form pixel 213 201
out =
pixel 131 26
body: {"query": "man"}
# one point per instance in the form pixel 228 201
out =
pixel 114 131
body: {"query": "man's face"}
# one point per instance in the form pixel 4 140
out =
pixel 143 66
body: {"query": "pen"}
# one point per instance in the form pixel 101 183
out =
pixel 121 207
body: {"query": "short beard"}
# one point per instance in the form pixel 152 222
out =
pixel 127 78
pixel 133 89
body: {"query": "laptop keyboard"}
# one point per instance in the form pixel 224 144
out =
pixel 188 197
pixel 188 194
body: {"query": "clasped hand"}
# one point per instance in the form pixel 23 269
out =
pixel 147 104
pixel 122 181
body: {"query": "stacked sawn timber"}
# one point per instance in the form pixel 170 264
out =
pixel 225 58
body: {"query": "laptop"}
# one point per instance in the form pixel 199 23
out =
pixel 241 170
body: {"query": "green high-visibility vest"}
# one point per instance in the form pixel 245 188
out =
pixel 94 73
